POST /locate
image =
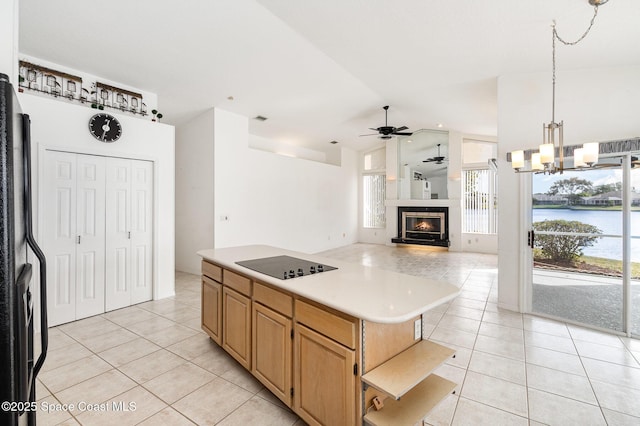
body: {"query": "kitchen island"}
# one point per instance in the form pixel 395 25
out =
pixel 338 346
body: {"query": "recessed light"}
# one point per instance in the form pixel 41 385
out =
pixel 333 142
pixel 409 141
pixel 230 98
pixel 260 118
pixel 440 125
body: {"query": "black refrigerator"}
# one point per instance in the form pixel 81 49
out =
pixel 18 250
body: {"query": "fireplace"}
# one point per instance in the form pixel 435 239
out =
pixel 423 225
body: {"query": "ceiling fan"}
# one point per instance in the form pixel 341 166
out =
pixel 386 131
pixel 438 159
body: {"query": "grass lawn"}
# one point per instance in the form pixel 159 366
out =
pixel 567 207
pixel 615 265
pixel 614 208
pixel 550 206
pixel 588 265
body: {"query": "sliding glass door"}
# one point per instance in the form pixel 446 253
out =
pixel 580 225
pixel 634 250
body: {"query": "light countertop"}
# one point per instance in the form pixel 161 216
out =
pixel 361 291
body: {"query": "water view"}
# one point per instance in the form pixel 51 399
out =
pixel 609 222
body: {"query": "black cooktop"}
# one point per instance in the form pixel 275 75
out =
pixel 285 267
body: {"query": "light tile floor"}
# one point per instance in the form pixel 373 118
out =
pixel 511 368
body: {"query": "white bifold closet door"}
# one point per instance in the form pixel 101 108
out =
pixel 129 219
pixel 74 234
pixel 97 224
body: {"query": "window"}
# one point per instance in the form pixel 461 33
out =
pixel 480 206
pixel 374 191
pixel 374 187
pixel 479 188
pixel 478 152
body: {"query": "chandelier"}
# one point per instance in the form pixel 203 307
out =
pixel 544 160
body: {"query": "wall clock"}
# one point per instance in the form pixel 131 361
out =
pixel 105 127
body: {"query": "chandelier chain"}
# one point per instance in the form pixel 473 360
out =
pixel 572 43
pixel 555 36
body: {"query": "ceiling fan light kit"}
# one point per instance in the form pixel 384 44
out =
pixel 544 161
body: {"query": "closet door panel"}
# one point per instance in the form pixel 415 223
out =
pixel 117 238
pixel 142 231
pixel 90 219
pixel 59 235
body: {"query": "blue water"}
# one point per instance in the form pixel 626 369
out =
pixel 609 222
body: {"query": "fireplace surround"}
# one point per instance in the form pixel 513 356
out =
pixel 423 225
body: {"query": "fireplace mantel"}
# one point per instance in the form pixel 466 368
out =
pixel 418 203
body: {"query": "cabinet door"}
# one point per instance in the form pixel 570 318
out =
pixel 90 231
pixel 236 333
pixel 212 309
pixel 272 351
pixel 324 389
pixel 59 234
pixel 141 231
pixel 118 244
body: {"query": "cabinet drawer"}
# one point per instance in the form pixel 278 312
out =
pixel 274 299
pixel 340 329
pixel 237 282
pixel 212 271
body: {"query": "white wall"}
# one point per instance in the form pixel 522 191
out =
pixel 62 125
pixel 596 105
pixel 9 39
pixel 282 201
pixel 194 191
pixel 480 243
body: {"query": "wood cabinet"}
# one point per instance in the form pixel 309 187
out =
pixel 326 365
pixel 325 379
pixel 272 351
pixel 212 309
pixel 236 326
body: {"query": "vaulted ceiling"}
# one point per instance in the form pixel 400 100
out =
pixel 321 70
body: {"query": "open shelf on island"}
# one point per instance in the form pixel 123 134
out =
pixel 397 376
pixel 414 405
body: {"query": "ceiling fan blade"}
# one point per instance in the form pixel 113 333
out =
pixel 375 130
pixel 402 133
pixel 399 129
pixel 428 160
pixel 371 134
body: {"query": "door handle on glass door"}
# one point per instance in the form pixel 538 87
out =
pixel 129 235
pixel 78 239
